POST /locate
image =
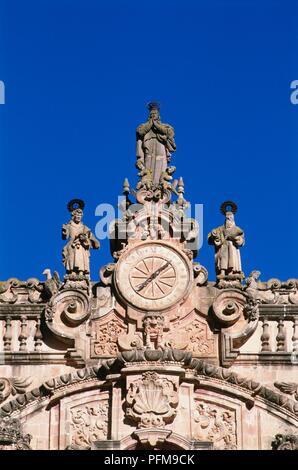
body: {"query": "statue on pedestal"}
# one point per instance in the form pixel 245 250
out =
pixel 227 239
pixel 76 254
pixel 155 142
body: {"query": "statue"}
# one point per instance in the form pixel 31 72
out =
pixel 155 142
pixel 227 239
pixel 76 253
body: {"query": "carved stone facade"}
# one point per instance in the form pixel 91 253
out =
pixel 89 423
pixel 105 334
pixel 215 424
pixel 151 401
pixel 152 354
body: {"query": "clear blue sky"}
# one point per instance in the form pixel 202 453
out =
pixel 78 75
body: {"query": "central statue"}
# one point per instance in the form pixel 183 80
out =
pixel 155 142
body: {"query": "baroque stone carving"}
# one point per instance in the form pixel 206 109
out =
pixel 215 424
pixel 52 284
pixel 228 307
pixel 69 307
pixel 130 341
pixel 199 343
pixel 89 423
pixel 103 299
pixel 12 436
pixel 105 336
pixel 106 273
pixel 200 274
pixel 273 291
pixel 14 291
pixel 251 310
pixel 285 442
pixel 227 239
pixel 291 388
pixel 155 142
pixel 76 253
pixel 13 386
pixel 151 401
pixel 166 356
pixel 192 336
pixel 7 293
pixel 153 324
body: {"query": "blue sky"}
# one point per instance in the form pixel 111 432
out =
pixel 78 75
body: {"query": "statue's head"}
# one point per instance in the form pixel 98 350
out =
pixel 230 221
pixel 77 215
pixel 75 207
pixel 229 209
pixel 154 111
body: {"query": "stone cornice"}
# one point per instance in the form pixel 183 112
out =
pixel 199 367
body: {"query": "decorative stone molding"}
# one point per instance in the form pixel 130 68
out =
pixel 15 291
pixel 228 307
pixel 65 311
pixel 13 386
pixel 200 274
pixel 89 423
pixel 291 388
pixel 153 325
pixel 199 367
pixel 151 401
pixel 12 436
pixel 273 291
pixel 285 442
pixel 215 424
pixel 251 310
pixel 105 334
pixel 193 336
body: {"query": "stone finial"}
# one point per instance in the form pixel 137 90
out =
pixel 126 186
pixel 180 185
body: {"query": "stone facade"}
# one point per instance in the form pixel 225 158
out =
pixel 153 354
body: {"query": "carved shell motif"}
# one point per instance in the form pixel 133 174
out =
pixel 151 400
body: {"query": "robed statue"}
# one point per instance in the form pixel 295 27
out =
pixel 155 143
pixel 227 239
pixel 76 254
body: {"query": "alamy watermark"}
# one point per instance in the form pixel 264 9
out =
pixel 119 224
pixel 294 94
pixel 2 92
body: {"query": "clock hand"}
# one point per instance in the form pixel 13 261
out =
pixel 151 277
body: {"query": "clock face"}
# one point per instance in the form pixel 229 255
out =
pixel 153 276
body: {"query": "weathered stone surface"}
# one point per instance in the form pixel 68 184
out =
pixel 227 239
pixel 152 354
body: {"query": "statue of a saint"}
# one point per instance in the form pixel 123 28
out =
pixel 76 254
pixel 155 142
pixel 227 239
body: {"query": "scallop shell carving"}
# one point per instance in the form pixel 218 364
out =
pixel 151 400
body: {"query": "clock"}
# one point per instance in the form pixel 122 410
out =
pixel 153 276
